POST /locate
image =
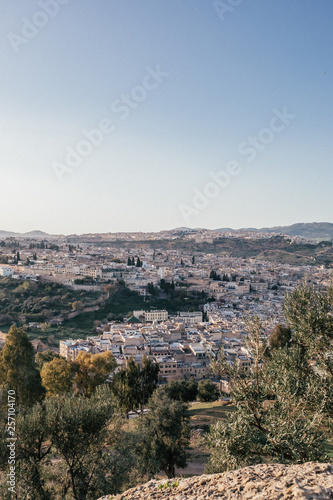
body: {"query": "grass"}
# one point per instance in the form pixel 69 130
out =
pixel 168 484
pixel 209 412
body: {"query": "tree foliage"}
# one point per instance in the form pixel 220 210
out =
pixel 164 435
pixel 33 448
pixel 284 403
pixel 92 370
pixel 93 455
pixel 133 385
pixel 280 337
pixel 214 276
pixel 57 376
pixel 148 378
pixel 207 391
pixel 126 386
pixel 17 368
pixel 182 390
pixel 45 357
pixel 309 313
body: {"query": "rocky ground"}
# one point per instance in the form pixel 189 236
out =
pixel 260 482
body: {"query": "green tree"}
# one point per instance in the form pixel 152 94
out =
pixel 77 305
pixel 45 357
pixel 79 432
pixel 214 276
pixel 309 314
pixel 17 368
pixel 149 379
pixel 92 370
pixel 94 456
pixel 165 435
pixel 207 391
pixel 44 327
pixel 33 446
pixel 57 376
pixel 127 387
pixel 280 337
pixel 182 390
pixel 151 289
pixel 282 406
pixel 133 386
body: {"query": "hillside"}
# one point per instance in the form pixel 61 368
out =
pixel 28 301
pixel 260 482
pixel 272 249
pixel 314 230
pixel 311 230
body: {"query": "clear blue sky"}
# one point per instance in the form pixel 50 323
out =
pixel 225 78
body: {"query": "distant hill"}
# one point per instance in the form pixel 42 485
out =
pixel 30 234
pixel 37 234
pixel 7 234
pixel 311 230
pixel 230 230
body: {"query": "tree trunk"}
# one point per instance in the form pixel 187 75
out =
pixel 170 472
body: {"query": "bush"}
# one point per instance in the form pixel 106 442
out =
pixel 284 403
pixel 182 390
pixel 207 391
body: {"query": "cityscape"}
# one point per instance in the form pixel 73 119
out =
pixel 215 294
pixel 166 250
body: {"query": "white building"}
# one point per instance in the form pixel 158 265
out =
pixel 190 318
pixel 151 316
pixel 6 271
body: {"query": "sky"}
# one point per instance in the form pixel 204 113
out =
pixel 146 115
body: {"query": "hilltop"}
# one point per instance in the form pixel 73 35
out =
pixel 36 234
pixel 260 482
pixel 313 230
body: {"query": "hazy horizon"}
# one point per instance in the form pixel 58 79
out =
pixel 160 230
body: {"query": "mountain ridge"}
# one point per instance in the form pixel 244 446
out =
pixel 311 230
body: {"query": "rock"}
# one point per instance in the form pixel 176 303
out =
pixel 310 481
